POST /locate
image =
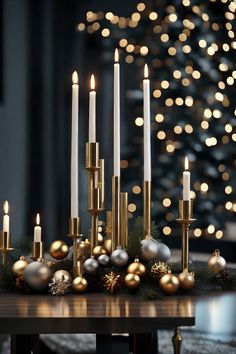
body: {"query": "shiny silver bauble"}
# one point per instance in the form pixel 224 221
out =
pixel 91 266
pixel 149 249
pixel 37 275
pixel 119 257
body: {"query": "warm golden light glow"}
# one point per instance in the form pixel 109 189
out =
pixel 75 78
pixel 6 207
pixel 145 71
pixel 37 219
pixel 92 83
pixel 186 164
pixel 116 56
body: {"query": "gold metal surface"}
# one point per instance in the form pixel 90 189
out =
pixel 74 233
pixel 101 182
pixel 147 209
pixel 115 212
pixel 177 341
pixel 5 246
pixel 123 219
pixel 37 250
pixel 92 156
pixel 185 219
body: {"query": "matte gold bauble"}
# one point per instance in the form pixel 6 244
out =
pixel 169 283
pixel 59 249
pixel 84 249
pixel 19 266
pixel 132 281
pixel 98 251
pixel 186 279
pixel 137 268
pixel 62 275
pixel 216 263
pixel 107 244
pixel 79 284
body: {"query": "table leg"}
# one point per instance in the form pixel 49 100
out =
pixel 177 340
pixel 145 343
pixel 104 344
pixel 24 343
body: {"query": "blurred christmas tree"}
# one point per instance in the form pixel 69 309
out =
pixel 190 48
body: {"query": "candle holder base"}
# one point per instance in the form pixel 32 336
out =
pixel 147 186
pixel 37 250
pixel 5 246
pixel 74 234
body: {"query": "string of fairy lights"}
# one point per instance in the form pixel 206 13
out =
pixel 190 48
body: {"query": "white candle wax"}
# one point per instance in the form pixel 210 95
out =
pixel 6 217
pixel 37 230
pixel 146 126
pixel 116 115
pixel 74 147
pixel 186 181
pixel 92 112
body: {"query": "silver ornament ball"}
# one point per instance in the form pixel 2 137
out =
pixel 163 253
pixel 119 257
pixel 149 249
pixel 103 260
pixel 37 275
pixel 91 266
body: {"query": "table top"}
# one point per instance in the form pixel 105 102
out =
pixel 91 313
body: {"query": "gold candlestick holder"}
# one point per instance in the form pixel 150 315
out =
pixel 115 241
pixel 107 242
pixel 185 219
pixel 123 219
pixel 95 168
pixel 147 209
pixel 74 234
pixel 5 246
pixel 37 250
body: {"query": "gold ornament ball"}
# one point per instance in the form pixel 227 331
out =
pixel 216 263
pixel 132 281
pixel 62 275
pixel 169 283
pixel 79 284
pixel 186 279
pixel 98 251
pixel 107 244
pixel 137 268
pixel 19 267
pixel 59 250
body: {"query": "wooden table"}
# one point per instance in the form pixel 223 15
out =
pixel 27 316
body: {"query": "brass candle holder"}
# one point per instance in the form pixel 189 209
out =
pixel 107 242
pixel 74 234
pixel 123 219
pixel 5 246
pixel 115 241
pixel 37 250
pixel 185 219
pixel 95 168
pixel 147 209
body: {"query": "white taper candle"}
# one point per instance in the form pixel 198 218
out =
pixel 146 126
pixel 92 111
pixel 116 114
pixel 186 180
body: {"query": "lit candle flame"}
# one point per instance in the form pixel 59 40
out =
pixel 116 56
pixel 186 164
pixel 75 78
pixel 6 207
pixel 92 83
pixel 145 71
pixel 37 219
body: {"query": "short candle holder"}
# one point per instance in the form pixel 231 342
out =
pixel 74 234
pixel 185 219
pixel 147 209
pixel 5 246
pixel 37 250
pixel 115 241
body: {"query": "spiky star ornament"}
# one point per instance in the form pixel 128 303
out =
pixel 112 282
pixel 59 286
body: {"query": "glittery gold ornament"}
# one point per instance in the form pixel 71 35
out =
pixel 79 284
pixel 132 281
pixel 112 282
pixel 59 250
pixel 98 251
pixel 137 268
pixel 59 286
pixel 159 269
pixel 216 263
pixel 186 279
pixel 19 266
pixel 169 283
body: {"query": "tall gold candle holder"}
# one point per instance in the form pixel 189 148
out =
pixel 5 246
pixel 115 241
pixel 95 168
pixel 107 242
pixel 123 219
pixel 74 234
pixel 147 209
pixel 37 250
pixel 185 219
